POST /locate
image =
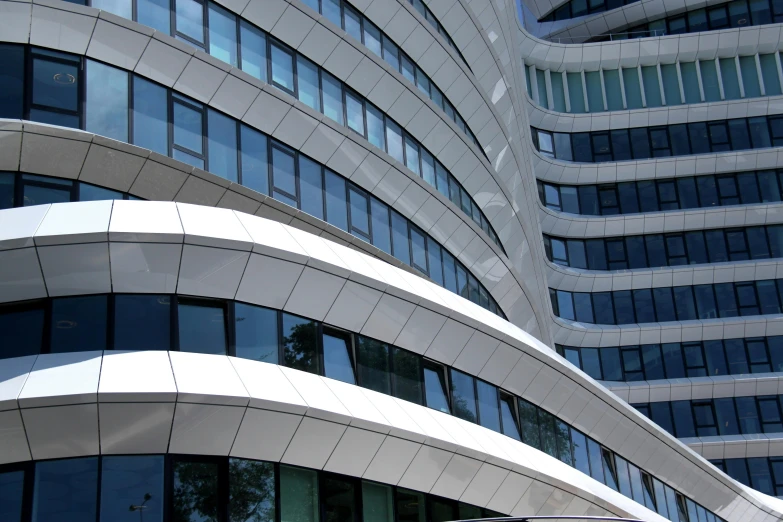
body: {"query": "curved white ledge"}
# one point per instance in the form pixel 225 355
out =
pixel 121 246
pixel 551 120
pixel 218 405
pixel 694 388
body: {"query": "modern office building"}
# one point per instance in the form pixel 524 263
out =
pixel 321 260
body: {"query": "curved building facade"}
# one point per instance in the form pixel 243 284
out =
pixel 320 260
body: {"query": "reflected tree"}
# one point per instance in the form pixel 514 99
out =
pixel 300 344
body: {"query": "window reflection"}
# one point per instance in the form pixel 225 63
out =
pixel 299 343
pixel 195 491
pixel 78 324
pixel 256 333
pixel 251 491
pixel 202 327
pixel 132 489
pixel 337 358
pixel 65 490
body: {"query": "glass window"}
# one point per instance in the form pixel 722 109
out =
pixel 541 84
pixel 131 486
pixel 22 329
pixel 360 216
pixel 411 506
pixel 769 72
pixel 464 396
pixel 640 145
pixel 728 71
pixel 377 502
pixel 596 460
pixel 311 186
pixel 575 92
pixel 12 79
pixel 603 307
pixel 251 491
pixel 709 80
pixel 150 116
pixel 418 250
pixel 558 94
pixel 381 229
pixel 333 98
pixel 633 93
pixel 282 68
pixel 336 205
pixel 190 19
pixel 401 245
pixel 299 343
pixel 690 82
pixel 411 155
pixel 750 77
pixel 407 375
pixel 188 128
pixel 222 34
pixel 298 494
pixel 78 324
pixel 375 127
pixel 338 495
pixel 142 322
pixel 11 495
pixel 595 97
pixel 337 358
pixel 435 388
pixel 508 416
pixel 256 333
pixel 284 175
pixel 394 141
pixel 391 53
pixel 202 327
pixel 331 11
pixel 308 83
pixel 253 50
pixel 222 142
pixel 56 83
pixel 255 169
pixel 373 364
pixel 66 486
pixel 614 97
pixel 355 112
pixel 107 101
pixel 652 90
pixel 581 461
pixel 671 84
pixel 372 37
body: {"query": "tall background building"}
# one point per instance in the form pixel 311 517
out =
pixel 302 260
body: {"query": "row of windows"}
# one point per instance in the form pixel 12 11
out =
pixel 351 19
pixel 739 13
pixel 24 190
pixel 165 322
pixel 120 105
pixel 225 36
pixel 194 488
pixel 650 362
pixel 763 474
pixel 631 197
pixel 658 142
pixel 679 303
pixel 657 250
pixel 128 108
pixel 575 8
pixel 713 417
pixel 656 85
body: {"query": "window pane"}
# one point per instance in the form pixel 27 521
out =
pixel 307 81
pixel 222 142
pixel 66 486
pixel 298 494
pixel 336 205
pixel 750 77
pixel 255 169
pixel 107 101
pixel 55 84
pixel 633 93
pixel 596 460
pixel 411 155
pixel 22 332
pixel 373 364
pixel 435 263
pixel 188 127
pixel 411 506
pixel 394 141
pixel 282 68
pixel 381 229
pixel 11 495
pixel 377 502
pixel 690 82
pixel 391 54
pixel 652 90
pixel 728 71
pixel 353 23
pixel 575 93
pixel 132 481
pixel 435 387
pixel 671 84
pixel 150 116
pixel 251 491
pixel 372 38
pixel 299 343
pixel 331 10
pixel 284 173
pixel 202 328
pixel 418 250
pixel 614 97
pixel 78 324
pixel 463 395
pixel 407 376
pixel 142 322
pixel 256 333
pixel 253 51
pixel 769 71
pixel 558 94
pixel 595 97
pixel 355 112
pixel 190 19
pixel 337 359
pixel 222 34
pixel 339 499
pixel 400 235
pixel 12 80
pixel 510 426
pixel 333 98
pixel 375 128
pixel 709 79
pixel 311 187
